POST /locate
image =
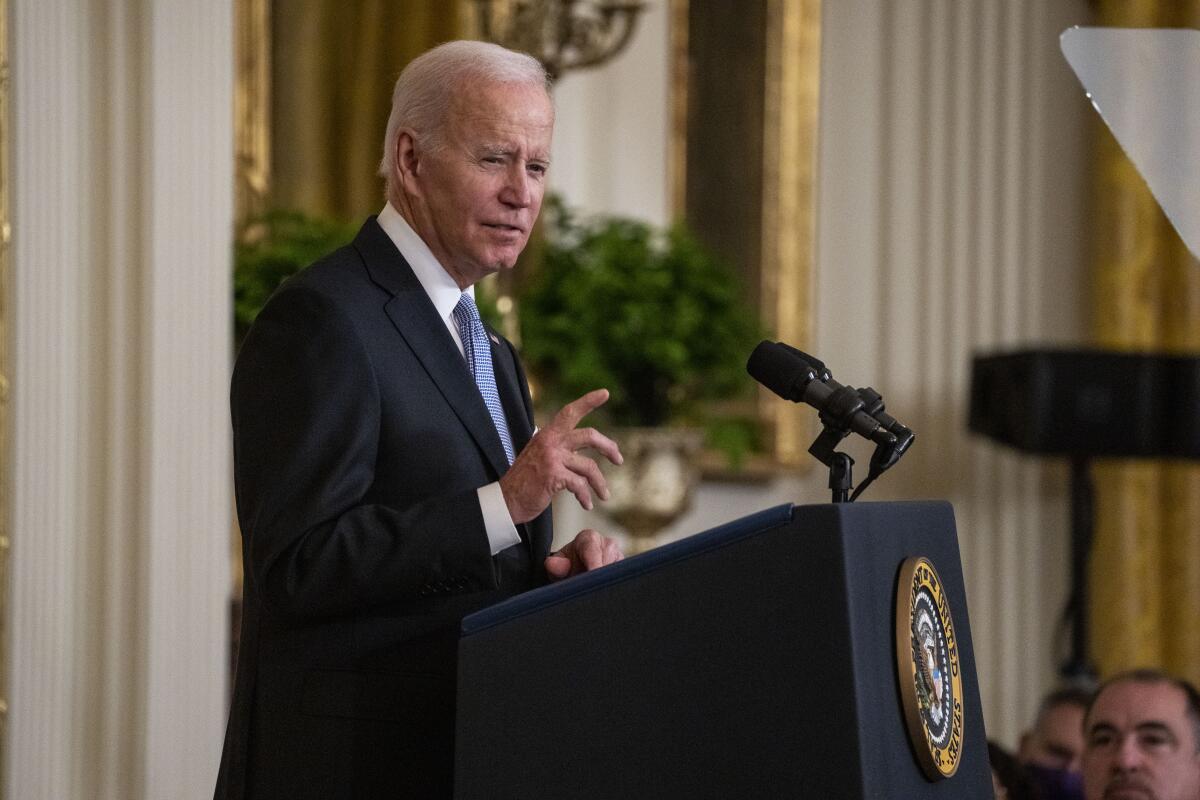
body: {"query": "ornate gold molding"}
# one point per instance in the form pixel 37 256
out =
pixel 252 106
pixel 252 184
pixel 782 278
pixel 789 188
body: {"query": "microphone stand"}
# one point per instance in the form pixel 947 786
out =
pixel 841 465
pixel 841 479
pixel 1078 669
pixel 891 442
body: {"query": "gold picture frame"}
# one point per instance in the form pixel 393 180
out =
pixel 745 84
pixel 252 107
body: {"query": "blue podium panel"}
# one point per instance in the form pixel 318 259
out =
pixel 753 660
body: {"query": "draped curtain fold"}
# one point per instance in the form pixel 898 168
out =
pixel 334 64
pixel 1145 569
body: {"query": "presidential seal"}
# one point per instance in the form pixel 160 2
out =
pixel 927 664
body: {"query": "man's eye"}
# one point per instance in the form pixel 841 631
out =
pixel 1100 740
pixel 537 169
pixel 1153 740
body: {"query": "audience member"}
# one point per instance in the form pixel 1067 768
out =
pixel 1142 739
pixel 1052 750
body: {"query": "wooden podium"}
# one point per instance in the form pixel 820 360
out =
pixel 754 660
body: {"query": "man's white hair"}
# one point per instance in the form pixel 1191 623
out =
pixel 425 87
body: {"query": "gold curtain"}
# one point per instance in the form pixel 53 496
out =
pixel 1145 570
pixel 334 63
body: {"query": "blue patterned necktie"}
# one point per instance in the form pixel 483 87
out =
pixel 479 358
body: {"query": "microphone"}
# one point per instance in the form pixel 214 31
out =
pixel 795 375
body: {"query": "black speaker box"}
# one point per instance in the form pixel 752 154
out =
pixel 1086 403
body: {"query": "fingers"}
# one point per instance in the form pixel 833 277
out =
pixel 570 414
pixel 550 463
pixel 593 478
pixel 577 485
pixel 592 550
pixel 589 550
pixel 590 437
pixel 612 551
pixel 557 566
pixel 581 477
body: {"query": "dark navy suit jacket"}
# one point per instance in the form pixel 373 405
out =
pixel 360 440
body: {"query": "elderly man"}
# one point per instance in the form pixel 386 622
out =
pixel 1142 739
pixel 1052 750
pixel 388 473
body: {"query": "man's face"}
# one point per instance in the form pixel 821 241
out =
pixel 1140 745
pixel 476 197
pixel 1056 742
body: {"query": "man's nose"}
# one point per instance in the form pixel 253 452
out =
pixel 1129 754
pixel 517 190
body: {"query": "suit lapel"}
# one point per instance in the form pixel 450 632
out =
pixel 415 318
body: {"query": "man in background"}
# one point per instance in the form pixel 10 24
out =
pixel 1142 739
pixel 1052 750
pixel 389 476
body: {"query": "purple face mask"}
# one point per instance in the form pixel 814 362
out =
pixel 1056 784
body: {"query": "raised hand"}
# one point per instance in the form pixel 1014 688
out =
pixel 551 462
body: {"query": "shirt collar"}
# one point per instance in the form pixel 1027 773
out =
pixel 437 283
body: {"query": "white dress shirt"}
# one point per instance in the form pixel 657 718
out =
pixel 444 294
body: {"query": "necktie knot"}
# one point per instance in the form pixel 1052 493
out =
pixel 479 359
pixel 465 316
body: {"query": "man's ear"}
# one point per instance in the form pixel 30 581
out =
pixel 408 162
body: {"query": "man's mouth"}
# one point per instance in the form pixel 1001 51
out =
pixel 505 227
pixel 1127 790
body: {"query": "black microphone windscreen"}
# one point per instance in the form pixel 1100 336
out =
pixel 775 368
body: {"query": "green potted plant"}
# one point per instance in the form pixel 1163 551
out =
pixel 272 247
pixel 654 317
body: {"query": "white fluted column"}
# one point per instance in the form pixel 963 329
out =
pixel 122 220
pixel 188 316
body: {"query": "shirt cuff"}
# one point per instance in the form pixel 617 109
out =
pixel 497 522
